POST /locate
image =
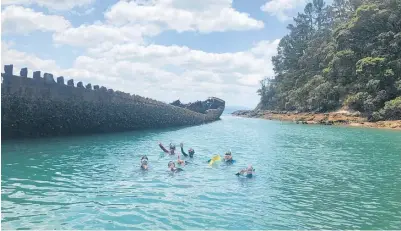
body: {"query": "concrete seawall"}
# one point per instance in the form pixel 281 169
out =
pixel 42 106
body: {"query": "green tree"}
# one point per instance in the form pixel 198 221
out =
pixel 344 54
pixel 318 6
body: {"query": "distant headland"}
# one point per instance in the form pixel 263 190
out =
pixel 339 63
pixel 41 106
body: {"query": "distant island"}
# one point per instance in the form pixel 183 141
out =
pixel 340 63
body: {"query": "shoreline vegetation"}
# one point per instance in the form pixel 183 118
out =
pixel 341 117
pixel 346 55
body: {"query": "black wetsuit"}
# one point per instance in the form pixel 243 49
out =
pixel 177 170
pixel 248 175
pixel 185 154
pixel 143 168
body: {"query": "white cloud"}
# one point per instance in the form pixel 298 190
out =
pixel 128 22
pixel 184 57
pixel 147 70
pixel 265 48
pixel 21 59
pixel 85 12
pixel 95 34
pixel 51 4
pixel 117 56
pixel 180 15
pixel 17 19
pixel 89 11
pixel 281 8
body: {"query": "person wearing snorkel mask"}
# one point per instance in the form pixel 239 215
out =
pixel 191 152
pixel 172 149
pixel 172 168
pixel 181 162
pixel 247 172
pixel 228 158
pixel 144 163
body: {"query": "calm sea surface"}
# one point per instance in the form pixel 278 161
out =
pixel 307 177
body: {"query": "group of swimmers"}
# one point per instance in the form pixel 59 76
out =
pixel 228 160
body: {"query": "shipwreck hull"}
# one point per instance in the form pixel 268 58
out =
pixel 40 107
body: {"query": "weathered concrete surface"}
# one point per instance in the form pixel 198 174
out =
pixel 201 106
pixel 37 107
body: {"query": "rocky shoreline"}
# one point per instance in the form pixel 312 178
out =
pixel 341 117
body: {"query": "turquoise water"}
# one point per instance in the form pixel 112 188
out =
pixel 307 177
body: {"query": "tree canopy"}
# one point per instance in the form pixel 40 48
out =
pixel 344 54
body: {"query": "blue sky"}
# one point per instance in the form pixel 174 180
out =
pixel 163 49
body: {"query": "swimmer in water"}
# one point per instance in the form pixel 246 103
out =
pixel 247 172
pixel 144 163
pixel 172 167
pixel 172 149
pixel 228 159
pixel 181 162
pixel 191 152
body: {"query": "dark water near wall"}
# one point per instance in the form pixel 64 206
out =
pixel 308 177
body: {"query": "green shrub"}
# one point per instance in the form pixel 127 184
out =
pixel 398 85
pixel 376 116
pixel 356 101
pixel 368 104
pixel 373 85
pixel 369 63
pixel 392 109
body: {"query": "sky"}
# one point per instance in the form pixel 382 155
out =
pixel 161 49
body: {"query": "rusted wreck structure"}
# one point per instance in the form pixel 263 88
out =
pixel 41 106
pixel 201 106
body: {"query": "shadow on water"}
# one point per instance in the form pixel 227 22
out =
pixel 93 136
pixel 119 133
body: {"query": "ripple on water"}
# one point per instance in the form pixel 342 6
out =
pixel 307 177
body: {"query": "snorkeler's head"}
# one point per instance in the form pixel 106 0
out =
pixel 171 164
pixel 250 169
pixel 144 160
pixel 191 152
pixel 228 156
pixel 172 146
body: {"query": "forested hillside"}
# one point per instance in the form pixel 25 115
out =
pixel 347 54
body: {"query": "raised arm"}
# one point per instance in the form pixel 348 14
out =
pixel 182 150
pixel 163 148
pixel 241 172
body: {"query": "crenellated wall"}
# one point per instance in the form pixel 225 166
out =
pixel 45 106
